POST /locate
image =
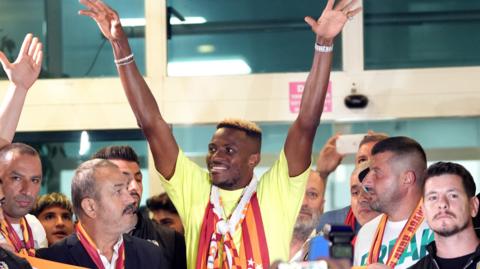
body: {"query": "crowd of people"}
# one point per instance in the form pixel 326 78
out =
pixel 402 214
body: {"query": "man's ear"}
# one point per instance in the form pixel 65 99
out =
pixel 254 160
pixel 409 177
pixel 474 206
pixel 89 207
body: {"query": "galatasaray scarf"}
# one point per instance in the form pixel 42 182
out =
pixel 410 228
pixel 216 232
pixel 350 221
pixel 92 251
pixel 25 246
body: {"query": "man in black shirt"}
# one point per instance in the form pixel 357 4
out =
pixel 449 203
pixel 172 243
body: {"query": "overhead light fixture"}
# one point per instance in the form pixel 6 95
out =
pixel 209 68
pixel 132 22
pixel 206 48
pixel 84 143
pixel 188 20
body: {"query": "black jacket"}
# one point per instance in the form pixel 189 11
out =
pixel 430 262
pixel 171 242
pixel 10 260
pixel 138 253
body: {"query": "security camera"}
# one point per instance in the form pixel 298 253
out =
pixel 355 100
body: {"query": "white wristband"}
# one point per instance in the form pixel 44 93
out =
pixel 125 60
pixel 321 48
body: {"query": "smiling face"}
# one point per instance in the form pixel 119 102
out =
pixel 57 222
pixel 231 158
pixel 21 181
pixel 447 207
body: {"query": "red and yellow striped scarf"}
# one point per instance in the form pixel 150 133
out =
pixel 91 249
pixel 414 222
pixel 25 246
pixel 253 250
pixel 350 220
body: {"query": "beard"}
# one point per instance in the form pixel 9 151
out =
pixel 304 226
pixel 445 232
pixel 376 206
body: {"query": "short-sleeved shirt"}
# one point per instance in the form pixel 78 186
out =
pixel 279 197
pixel 39 236
pixel 416 249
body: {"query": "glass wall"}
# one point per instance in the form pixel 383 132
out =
pixel 73 44
pixel 242 37
pixel 426 33
pixel 61 152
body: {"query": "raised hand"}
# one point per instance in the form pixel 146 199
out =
pixel 25 70
pixel 329 158
pixel 106 18
pixel 333 18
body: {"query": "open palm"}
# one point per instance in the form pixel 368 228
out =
pixel 331 23
pixel 26 68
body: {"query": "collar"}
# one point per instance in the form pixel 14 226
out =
pixel 432 250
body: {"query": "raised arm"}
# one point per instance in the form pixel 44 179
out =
pixel 22 74
pixel 298 146
pixel 160 138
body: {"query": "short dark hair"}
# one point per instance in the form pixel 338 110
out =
pixel 125 153
pixel 21 148
pixel 161 202
pixel 402 146
pixel 52 199
pixel 449 168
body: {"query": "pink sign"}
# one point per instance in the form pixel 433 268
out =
pixel 295 97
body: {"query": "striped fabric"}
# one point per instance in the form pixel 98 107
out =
pixel 25 246
pixel 253 249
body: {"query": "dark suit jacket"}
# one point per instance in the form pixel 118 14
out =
pixel 171 242
pixel 138 253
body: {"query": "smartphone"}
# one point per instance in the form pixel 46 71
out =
pixel 348 144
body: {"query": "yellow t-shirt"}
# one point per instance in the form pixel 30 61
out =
pixel 279 197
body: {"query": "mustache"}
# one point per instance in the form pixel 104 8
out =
pixel 305 209
pixel 22 197
pixel 364 203
pixel 448 213
pixel 129 209
pixel 134 193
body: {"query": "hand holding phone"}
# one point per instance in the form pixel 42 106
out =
pixel 348 144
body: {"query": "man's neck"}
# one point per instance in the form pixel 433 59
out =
pixel 295 246
pixel 10 219
pixel 401 210
pixel 457 245
pixel 103 240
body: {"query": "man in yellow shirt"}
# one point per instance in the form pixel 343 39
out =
pixel 231 219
